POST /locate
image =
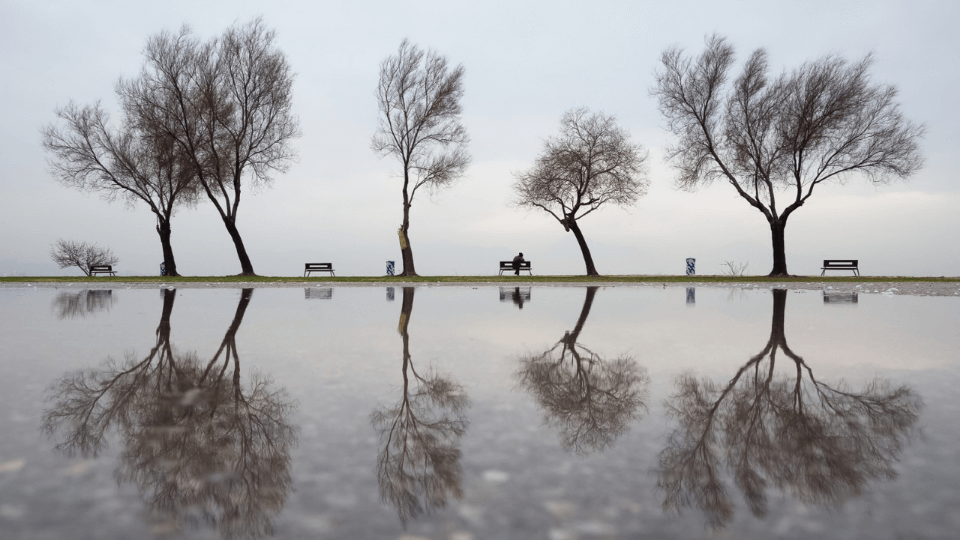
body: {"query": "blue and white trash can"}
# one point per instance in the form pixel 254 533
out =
pixel 163 268
pixel 390 294
pixel 691 266
pixel 691 296
pixel 390 266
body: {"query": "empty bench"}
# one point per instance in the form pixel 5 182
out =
pixel 508 266
pixel 102 269
pixel 317 267
pixel 842 264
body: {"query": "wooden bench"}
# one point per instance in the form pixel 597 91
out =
pixel 102 269
pixel 841 264
pixel 508 266
pixel 318 267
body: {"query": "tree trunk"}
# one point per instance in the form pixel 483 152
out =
pixel 777 229
pixel 777 335
pixel 406 252
pixel 245 295
pixel 587 259
pixel 246 267
pixel 229 344
pixel 163 330
pixel 405 309
pixel 584 312
pixel 163 229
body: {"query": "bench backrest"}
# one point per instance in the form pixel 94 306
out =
pixel 318 266
pixel 841 263
pixel 101 268
pixel 505 265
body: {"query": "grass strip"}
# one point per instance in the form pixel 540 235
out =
pixel 478 279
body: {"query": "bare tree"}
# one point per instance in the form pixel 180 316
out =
pixel 227 106
pixel 79 304
pixel 199 445
pixel 735 268
pixel 125 162
pixel 822 443
pixel 67 253
pixel 418 465
pixel 590 164
pixel 825 121
pixel 589 399
pixel 419 101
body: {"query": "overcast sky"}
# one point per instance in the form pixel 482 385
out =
pixel 526 64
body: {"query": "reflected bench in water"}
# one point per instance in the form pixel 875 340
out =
pixel 70 304
pixel 318 293
pixel 840 297
pixel 517 295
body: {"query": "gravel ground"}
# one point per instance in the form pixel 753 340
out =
pixel 879 287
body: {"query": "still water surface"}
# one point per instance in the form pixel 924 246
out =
pixel 458 413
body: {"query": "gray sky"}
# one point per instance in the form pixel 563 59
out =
pixel 526 63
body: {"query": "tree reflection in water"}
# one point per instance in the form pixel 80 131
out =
pixel 590 400
pixel 418 466
pixel 822 443
pixel 201 447
pixel 71 305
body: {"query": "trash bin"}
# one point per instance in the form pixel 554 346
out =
pixel 691 266
pixel 390 266
pixel 691 296
pixel 390 294
pixel 163 268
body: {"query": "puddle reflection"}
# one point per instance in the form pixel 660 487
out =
pixel 315 293
pixel 200 446
pixel 79 304
pixel 588 399
pixel 822 443
pixel 517 295
pixel 418 463
pixel 487 422
pixel 840 298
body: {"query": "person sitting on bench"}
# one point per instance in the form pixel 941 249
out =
pixel 516 264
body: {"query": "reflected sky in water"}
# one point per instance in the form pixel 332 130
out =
pixel 460 412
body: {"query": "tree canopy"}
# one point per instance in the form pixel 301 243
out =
pixel 124 161
pixel 227 106
pixel 591 163
pixel 824 121
pixel 419 101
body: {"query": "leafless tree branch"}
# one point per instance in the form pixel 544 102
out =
pixel 418 96
pixel 227 105
pixel 591 163
pixel 83 255
pixel 765 135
